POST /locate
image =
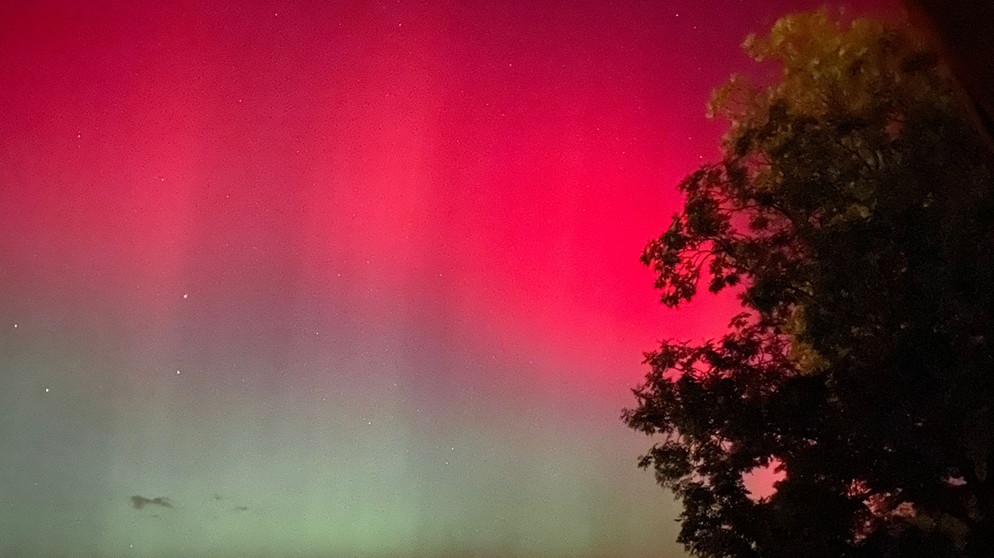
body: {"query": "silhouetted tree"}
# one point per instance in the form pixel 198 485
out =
pixel 853 212
pixel 962 30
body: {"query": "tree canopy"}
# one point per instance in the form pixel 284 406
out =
pixel 853 213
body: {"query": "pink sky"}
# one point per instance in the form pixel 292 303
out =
pixel 330 217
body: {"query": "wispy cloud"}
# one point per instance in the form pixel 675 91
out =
pixel 139 502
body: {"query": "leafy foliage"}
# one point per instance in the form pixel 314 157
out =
pixel 853 212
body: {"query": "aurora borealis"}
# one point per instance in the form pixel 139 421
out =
pixel 343 279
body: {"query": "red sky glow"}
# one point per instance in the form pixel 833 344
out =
pixel 367 270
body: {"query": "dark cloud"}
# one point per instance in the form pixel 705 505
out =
pixel 139 502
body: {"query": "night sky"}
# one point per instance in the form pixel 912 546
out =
pixel 343 280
